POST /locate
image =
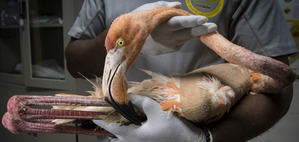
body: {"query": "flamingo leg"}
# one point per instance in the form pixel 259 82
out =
pixel 29 114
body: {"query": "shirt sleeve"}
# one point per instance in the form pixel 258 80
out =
pixel 259 25
pixel 90 21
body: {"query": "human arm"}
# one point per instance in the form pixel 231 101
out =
pixel 86 56
pixel 259 26
pixel 85 52
pixel 252 115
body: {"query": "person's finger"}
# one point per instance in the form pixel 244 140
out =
pixel 188 33
pixel 204 29
pixel 117 129
pixel 151 47
pixel 162 4
pixel 182 35
pixel 159 4
pixel 182 22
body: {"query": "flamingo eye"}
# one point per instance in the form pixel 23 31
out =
pixel 120 42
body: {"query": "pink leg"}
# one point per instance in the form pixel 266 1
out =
pixel 17 125
pixel 23 118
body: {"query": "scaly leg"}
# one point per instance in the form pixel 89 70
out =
pixel 25 114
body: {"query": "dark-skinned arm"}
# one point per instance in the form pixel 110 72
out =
pixel 86 56
pixel 253 115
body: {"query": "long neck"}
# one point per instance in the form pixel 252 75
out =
pixel 152 18
pixel 280 72
pixel 118 88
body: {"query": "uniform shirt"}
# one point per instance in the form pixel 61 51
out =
pixel 258 25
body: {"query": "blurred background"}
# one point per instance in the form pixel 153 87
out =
pixel 33 35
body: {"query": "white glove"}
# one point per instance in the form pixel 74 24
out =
pixel 171 36
pixel 159 127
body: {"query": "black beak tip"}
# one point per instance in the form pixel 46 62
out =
pixel 126 110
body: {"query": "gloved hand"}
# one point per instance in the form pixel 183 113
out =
pixel 171 36
pixel 159 127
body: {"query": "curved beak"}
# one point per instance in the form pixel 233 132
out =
pixel 115 85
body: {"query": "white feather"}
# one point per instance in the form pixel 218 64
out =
pixel 97 86
pixel 211 84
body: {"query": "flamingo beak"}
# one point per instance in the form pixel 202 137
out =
pixel 115 85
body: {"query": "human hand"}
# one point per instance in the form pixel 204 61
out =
pixel 171 36
pixel 160 126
